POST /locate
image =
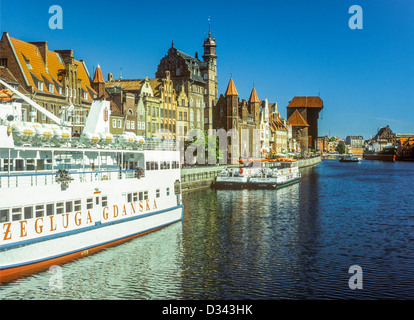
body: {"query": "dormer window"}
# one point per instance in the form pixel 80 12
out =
pixel 39 85
pixel 51 89
pixel 27 62
pixel 85 95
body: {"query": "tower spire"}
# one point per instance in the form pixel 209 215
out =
pixel 209 27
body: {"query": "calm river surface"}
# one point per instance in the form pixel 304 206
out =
pixel 296 243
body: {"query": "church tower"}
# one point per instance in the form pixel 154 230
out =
pixel 232 105
pixel 254 106
pixel 210 77
pixel 98 83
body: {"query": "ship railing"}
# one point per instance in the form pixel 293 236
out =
pixel 160 144
pixel 49 178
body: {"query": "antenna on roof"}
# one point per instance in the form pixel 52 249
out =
pixel 120 74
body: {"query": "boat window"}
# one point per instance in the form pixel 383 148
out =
pixel 40 210
pixel 141 196
pixel 97 201
pixel 145 195
pixel 157 193
pixel 177 187
pixel 104 201
pixel 6 165
pixel 135 196
pixel 89 203
pixel 4 215
pixel 50 209
pixel 69 206
pixel 28 212
pixel 59 207
pixel 16 214
pixel 168 191
pixel 19 165
pixel 30 164
pixel 129 197
pixel 78 205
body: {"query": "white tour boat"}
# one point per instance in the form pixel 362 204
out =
pixel 270 174
pixel 64 197
pixel 275 175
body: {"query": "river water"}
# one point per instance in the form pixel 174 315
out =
pixel 293 243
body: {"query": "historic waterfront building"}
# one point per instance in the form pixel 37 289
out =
pixel 157 105
pixel 197 77
pixel 53 79
pixel 232 113
pixel 303 115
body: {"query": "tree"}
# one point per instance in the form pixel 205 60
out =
pixel 341 147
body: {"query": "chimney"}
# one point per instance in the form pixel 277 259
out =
pixel 43 49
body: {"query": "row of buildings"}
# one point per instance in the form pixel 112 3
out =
pixel 183 95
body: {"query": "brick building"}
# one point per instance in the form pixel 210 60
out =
pixel 303 114
pixel 198 78
pixel 53 79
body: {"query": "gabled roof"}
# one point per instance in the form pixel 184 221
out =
pixel 297 120
pixel 306 102
pixel 231 89
pixel 276 123
pixel 35 69
pixel 253 96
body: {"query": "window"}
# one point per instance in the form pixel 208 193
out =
pixel 133 125
pixel 78 205
pixel 135 197
pixel 143 125
pixel 145 195
pixel 28 212
pixel 85 95
pixel 40 85
pixel 168 191
pixel 119 123
pixel 40 210
pixel 185 116
pixel 157 193
pixel 16 214
pixel 4 215
pixel 69 206
pixel 129 197
pixel 59 207
pixel 128 124
pixel 51 87
pixel 89 203
pixel 113 123
pixel 182 102
pixel 141 196
pixel 104 201
pixel 50 209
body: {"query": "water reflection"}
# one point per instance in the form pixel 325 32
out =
pixel 297 242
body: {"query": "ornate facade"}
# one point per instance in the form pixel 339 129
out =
pixel 198 78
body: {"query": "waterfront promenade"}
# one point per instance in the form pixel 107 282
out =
pixel 196 178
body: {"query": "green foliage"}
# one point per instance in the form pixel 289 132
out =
pixel 341 147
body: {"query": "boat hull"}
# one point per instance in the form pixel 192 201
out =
pixel 41 255
pixel 381 157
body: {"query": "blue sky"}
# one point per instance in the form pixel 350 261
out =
pixel 286 48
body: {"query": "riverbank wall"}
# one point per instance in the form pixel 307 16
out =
pixel 197 178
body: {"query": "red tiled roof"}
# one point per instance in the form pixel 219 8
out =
pixel 308 102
